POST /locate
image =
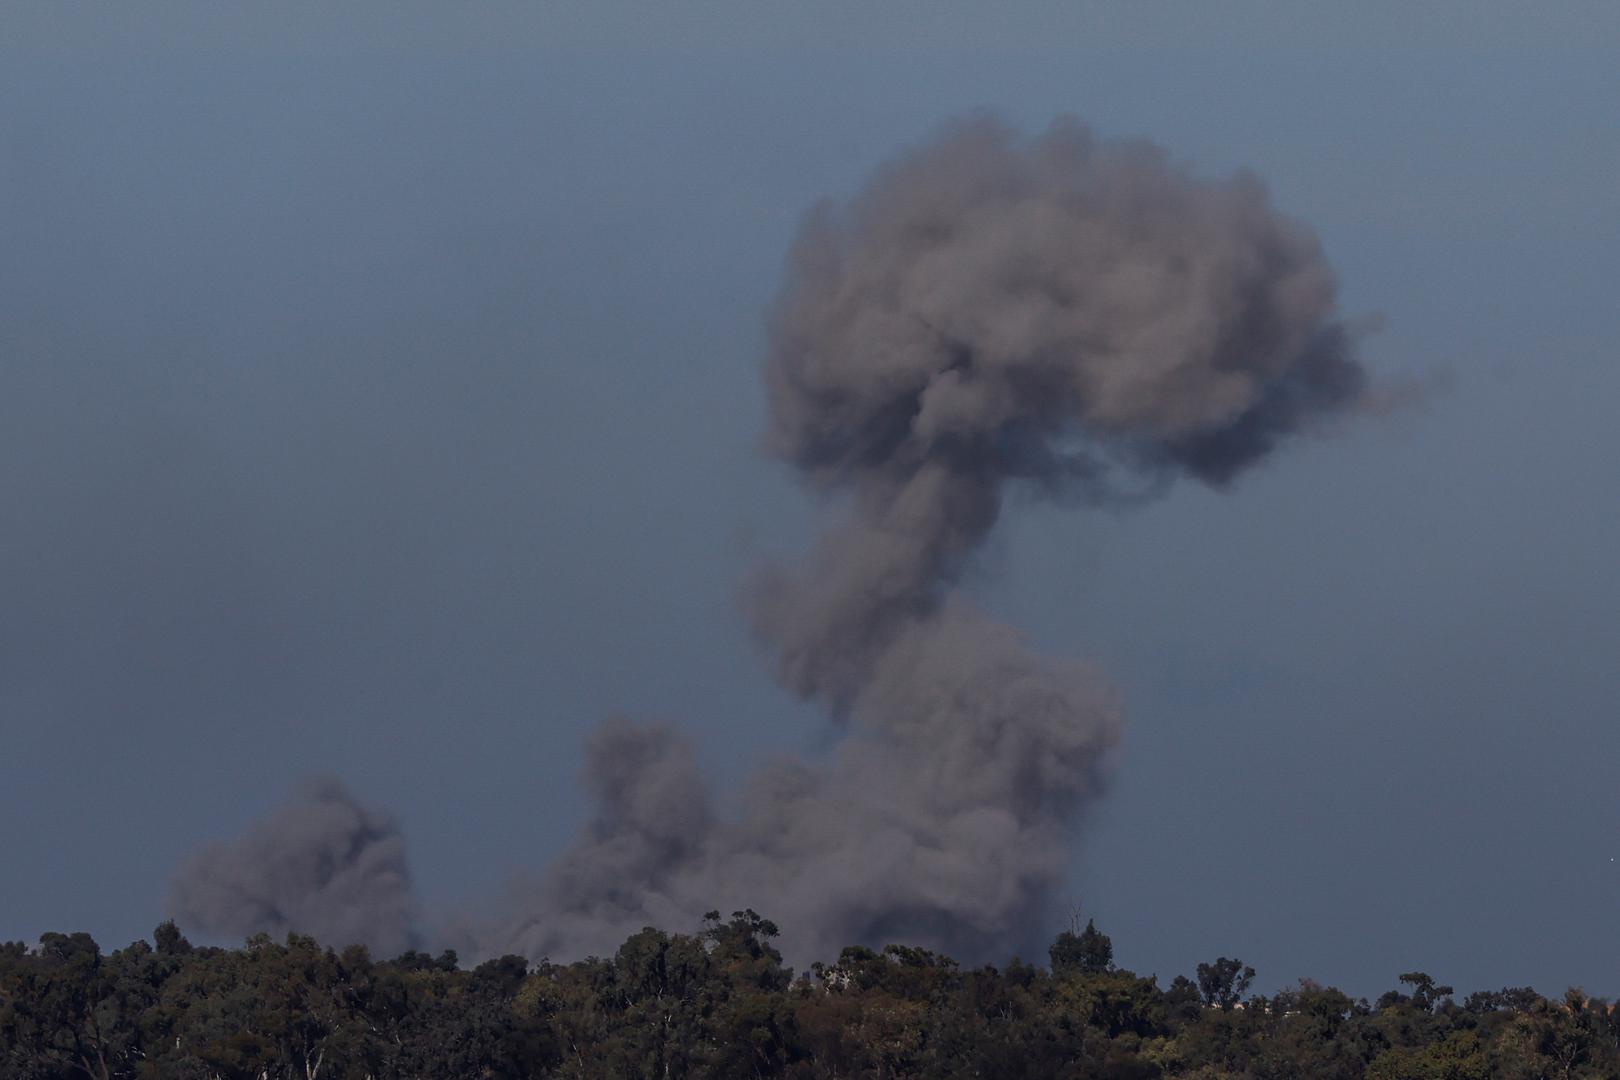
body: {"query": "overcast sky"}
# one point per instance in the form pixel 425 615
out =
pixel 379 397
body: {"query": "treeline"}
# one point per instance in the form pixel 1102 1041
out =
pixel 720 1003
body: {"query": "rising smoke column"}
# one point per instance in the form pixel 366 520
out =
pixel 321 864
pixel 1080 317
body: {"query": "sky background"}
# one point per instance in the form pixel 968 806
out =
pixel 379 397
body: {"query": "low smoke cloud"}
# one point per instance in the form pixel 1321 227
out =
pixel 322 864
pixel 1081 317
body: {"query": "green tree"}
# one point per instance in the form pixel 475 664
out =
pixel 1223 983
pixel 1426 992
pixel 1460 1056
pixel 169 940
pixel 1089 952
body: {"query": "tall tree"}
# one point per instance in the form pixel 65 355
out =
pixel 1089 952
pixel 1223 983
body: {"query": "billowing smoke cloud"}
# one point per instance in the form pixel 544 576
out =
pixel 321 864
pixel 1080 317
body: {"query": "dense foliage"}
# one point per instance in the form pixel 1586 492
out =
pixel 720 1003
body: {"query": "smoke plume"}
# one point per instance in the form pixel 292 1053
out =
pixel 1081 318
pixel 322 864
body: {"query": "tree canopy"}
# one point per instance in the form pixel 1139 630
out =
pixel 719 1002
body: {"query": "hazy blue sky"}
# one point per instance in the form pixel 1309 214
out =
pixel 378 396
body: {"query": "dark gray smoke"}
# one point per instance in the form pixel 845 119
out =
pixel 321 864
pixel 1080 317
